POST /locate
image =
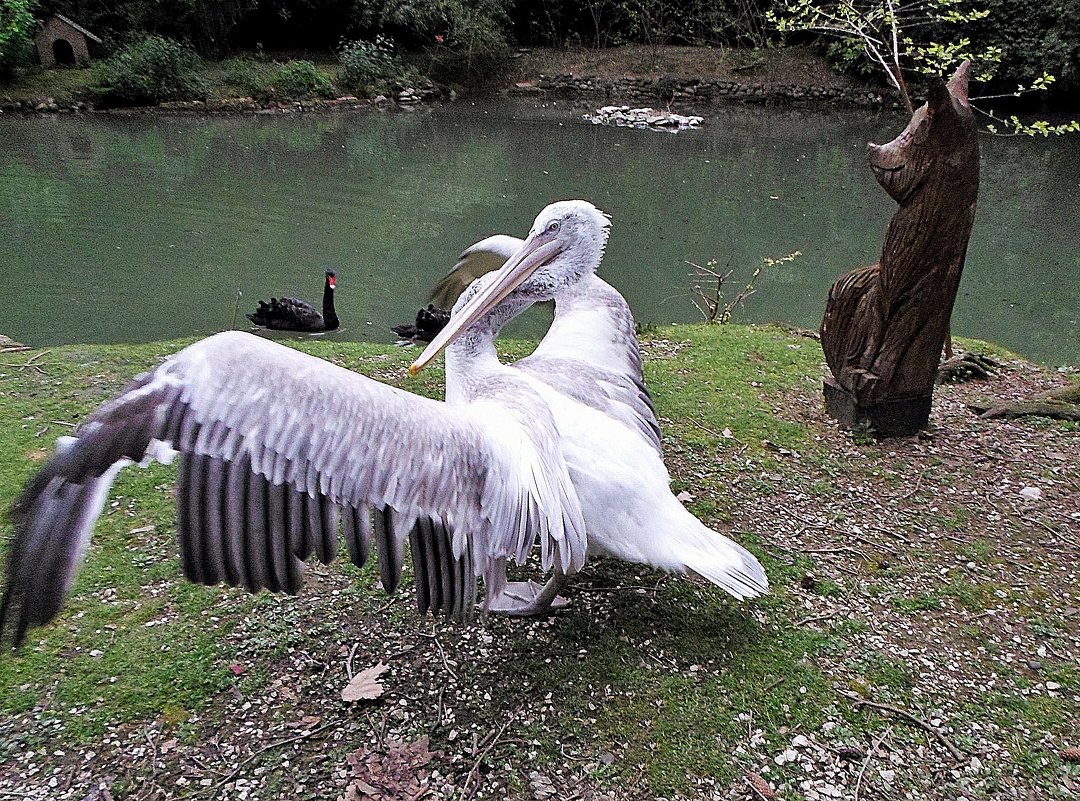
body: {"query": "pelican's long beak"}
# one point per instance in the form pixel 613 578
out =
pixel 538 250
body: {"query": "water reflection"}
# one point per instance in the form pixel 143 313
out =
pixel 143 228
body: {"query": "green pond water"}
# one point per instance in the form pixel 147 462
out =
pixel 138 228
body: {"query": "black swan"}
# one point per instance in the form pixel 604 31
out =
pixel 290 314
pixel 429 322
pixel 478 259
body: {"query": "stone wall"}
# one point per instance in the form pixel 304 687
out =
pixel 678 90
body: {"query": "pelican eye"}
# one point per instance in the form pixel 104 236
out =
pixel 553 227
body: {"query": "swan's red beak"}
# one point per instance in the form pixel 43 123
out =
pixel 332 281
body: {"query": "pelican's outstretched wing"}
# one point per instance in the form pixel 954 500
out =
pixel 276 446
pixel 591 354
pixel 483 257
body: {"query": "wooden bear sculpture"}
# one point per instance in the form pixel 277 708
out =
pixel 885 325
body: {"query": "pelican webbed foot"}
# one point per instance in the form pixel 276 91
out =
pixel 529 599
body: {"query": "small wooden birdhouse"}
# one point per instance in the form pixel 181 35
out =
pixel 62 43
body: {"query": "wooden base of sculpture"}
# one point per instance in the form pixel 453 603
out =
pixel 900 417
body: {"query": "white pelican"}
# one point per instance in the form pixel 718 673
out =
pixel 591 351
pixel 276 443
pixel 588 370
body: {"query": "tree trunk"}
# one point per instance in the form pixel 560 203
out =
pixel 885 325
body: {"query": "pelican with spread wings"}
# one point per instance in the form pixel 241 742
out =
pixel 588 369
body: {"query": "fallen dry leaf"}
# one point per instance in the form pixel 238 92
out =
pixel 850 753
pixel 397 775
pixel 761 787
pixel 364 685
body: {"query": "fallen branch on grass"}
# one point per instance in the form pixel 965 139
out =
pixel 869 756
pixel 1059 404
pixel 903 714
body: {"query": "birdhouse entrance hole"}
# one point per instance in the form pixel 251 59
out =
pixel 63 52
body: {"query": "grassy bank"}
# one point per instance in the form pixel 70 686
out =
pixel 70 86
pixel 226 80
pixel 910 574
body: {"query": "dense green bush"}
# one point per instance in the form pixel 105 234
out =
pixel 458 39
pixel 1035 36
pixel 16 24
pixel 151 70
pixel 265 80
pixel 300 79
pixel 468 42
pixel 604 23
pixel 247 75
pixel 370 65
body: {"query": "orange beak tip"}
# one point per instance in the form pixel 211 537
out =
pixel 413 369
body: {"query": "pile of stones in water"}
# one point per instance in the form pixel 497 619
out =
pixel 624 116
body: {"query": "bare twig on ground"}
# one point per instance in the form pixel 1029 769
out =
pixel 31 362
pixel 349 661
pixel 869 756
pixel 377 732
pixel 442 653
pixel 439 710
pixel 916 488
pixel 619 588
pixel 217 788
pixel 910 718
pixel 466 790
pixel 817 618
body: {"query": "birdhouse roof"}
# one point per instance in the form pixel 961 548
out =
pixel 78 27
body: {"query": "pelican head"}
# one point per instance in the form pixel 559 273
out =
pixel 566 242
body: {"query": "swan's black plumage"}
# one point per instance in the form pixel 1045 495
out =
pixel 290 314
pixel 429 322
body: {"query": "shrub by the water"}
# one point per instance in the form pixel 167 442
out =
pixel 1034 37
pixel 301 79
pixel 16 45
pixel 369 65
pixel 150 70
pixel 462 41
pixel 247 75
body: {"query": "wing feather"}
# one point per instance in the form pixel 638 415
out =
pixel 357 530
pixel 260 426
pixel 478 259
pixel 215 567
pixel 323 519
pixel 420 568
